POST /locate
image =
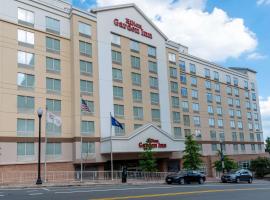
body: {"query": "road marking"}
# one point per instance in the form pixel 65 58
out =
pixel 1 195
pixel 180 193
pixel 46 189
pixel 33 194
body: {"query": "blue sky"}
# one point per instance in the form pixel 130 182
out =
pixel 232 33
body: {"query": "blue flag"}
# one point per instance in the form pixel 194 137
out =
pixel 116 123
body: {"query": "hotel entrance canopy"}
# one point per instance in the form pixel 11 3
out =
pixel 133 143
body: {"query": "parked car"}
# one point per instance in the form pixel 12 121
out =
pixel 237 176
pixel 186 177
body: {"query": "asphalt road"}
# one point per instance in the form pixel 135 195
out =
pixel 218 191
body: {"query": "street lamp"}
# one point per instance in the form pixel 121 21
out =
pixel 39 112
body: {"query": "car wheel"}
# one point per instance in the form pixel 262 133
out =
pixel 224 181
pixel 181 181
pixel 250 180
pixel 201 181
pixel 237 180
pixel 168 182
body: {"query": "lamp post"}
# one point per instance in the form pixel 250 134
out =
pixel 39 112
pixel 222 156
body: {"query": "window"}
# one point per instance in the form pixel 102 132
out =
pixel 85 49
pixel 254 105
pixel 208 84
pixel 173 72
pixel 25 81
pixel 236 91
pixel 211 122
pixel 193 81
pixel 235 147
pixel 243 148
pixel 151 51
pixel 135 46
pixel 217 87
pixel 25 58
pixel 154 98
pixel 53 105
pixel 192 68
pixel 153 82
pixel 196 121
pixel 25 149
pixel 258 135
pixel 26 17
pixel 175 102
pixel 209 97
pixel 198 133
pixel 247 105
pixel 118 92
pixel 88 147
pixel 251 137
pixel 194 94
pixel 174 87
pixel 119 131
pixel 52 45
pixel 214 147
pixel 25 104
pixel 52 25
pixel 52 129
pixel 216 76
pixel 118 110
pixel 155 114
pixel 116 39
pixel 220 123
pixel 53 149
pixel 86 68
pixel 235 81
pixel 210 109
pixel 228 79
pixel 177 132
pixel 195 107
pixel 250 126
pixel 137 95
pixel 231 112
pixel 85 29
pixel 52 64
pixel 246 84
pixel 257 126
pixel 136 126
pixel 253 147
pixel 185 106
pixel 136 78
pixel 183 78
pixel 238 113
pixel 237 102
pixel 152 67
pixel 117 74
pixel 234 136
pixel 91 107
pixel 53 85
pixel 230 101
pixel 240 125
pixel 241 136
pixel 246 94
pixel 219 110
pixel 116 57
pixel 25 127
pixel 218 99
pixel 182 65
pixel 213 135
pixel 26 37
pixel 176 117
pixel 138 113
pixel 259 147
pixel 186 120
pixel 86 87
pixel 252 86
pixel 135 62
pixel 207 73
pixel 253 96
pixel 232 124
pixel 172 57
pixel 229 90
pixel 249 115
pixel 184 92
pixel 255 116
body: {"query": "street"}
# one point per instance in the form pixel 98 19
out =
pixel 208 191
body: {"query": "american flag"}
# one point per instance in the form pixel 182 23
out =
pixel 84 106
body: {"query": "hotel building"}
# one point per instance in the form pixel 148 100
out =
pixel 119 62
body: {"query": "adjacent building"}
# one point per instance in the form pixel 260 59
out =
pixel 52 55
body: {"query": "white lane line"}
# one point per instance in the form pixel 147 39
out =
pixel 33 194
pixel 46 189
pixel 1 195
pixel 31 191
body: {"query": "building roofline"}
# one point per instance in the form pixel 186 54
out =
pixel 107 8
pixel 243 68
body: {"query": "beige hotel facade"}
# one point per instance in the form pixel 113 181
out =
pixel 118 61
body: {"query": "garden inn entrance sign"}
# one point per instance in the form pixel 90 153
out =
pixel 132 26
pixel 155 144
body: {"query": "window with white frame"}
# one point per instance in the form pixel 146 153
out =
pixel 238 113
pixel 25 127
pixel 194 94
pixel 219 110
pixel 220 123
pixel 85 29
pixel 26 37
pixel 53 105
pixel 86 68
pixel 185 106
pixel 26 17
pixel 118 92
pixel 154 98
pixel 155 114
pixel 232 124
pixel 134 45
pixel 176 117
pixel 195 107
pixel 25 80
pixel 211 122
pixel 210 109
pixel 117 74
pixel 152 51
pixel 25 149
pixel 175 102
pixel 172 57
pixel 25 58
pixel 52 25
pixel 53 85
pixel 138 113
pixel 240 124
pixel 118 110
pixel 88 147
pixel 53 149
pixel 137 95
pixel 196 120
pixel 116 39
pixel 86 87
pixel 52 64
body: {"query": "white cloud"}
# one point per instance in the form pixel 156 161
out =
pixel 255 56
pixel 263 2
pixel 211 35
pixel 265 112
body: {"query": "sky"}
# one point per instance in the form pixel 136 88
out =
pixel 228 32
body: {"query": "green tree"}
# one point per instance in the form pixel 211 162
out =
pixel 261 166
pixel 267 145
pixel 192 156
pixel 148 162
pixel 229 163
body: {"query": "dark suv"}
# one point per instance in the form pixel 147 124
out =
pixel 237 176
pixel 186 177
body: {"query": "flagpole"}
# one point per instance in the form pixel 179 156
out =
pixel 81 137
pixel 111 147
pixel 45 159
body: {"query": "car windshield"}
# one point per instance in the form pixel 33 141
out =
pixel 235 171
pixel 182 173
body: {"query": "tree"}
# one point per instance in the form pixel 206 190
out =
pixel 229 163
pixel 261 166
pixel 192 156
pixel 267 145
pixel 148 162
